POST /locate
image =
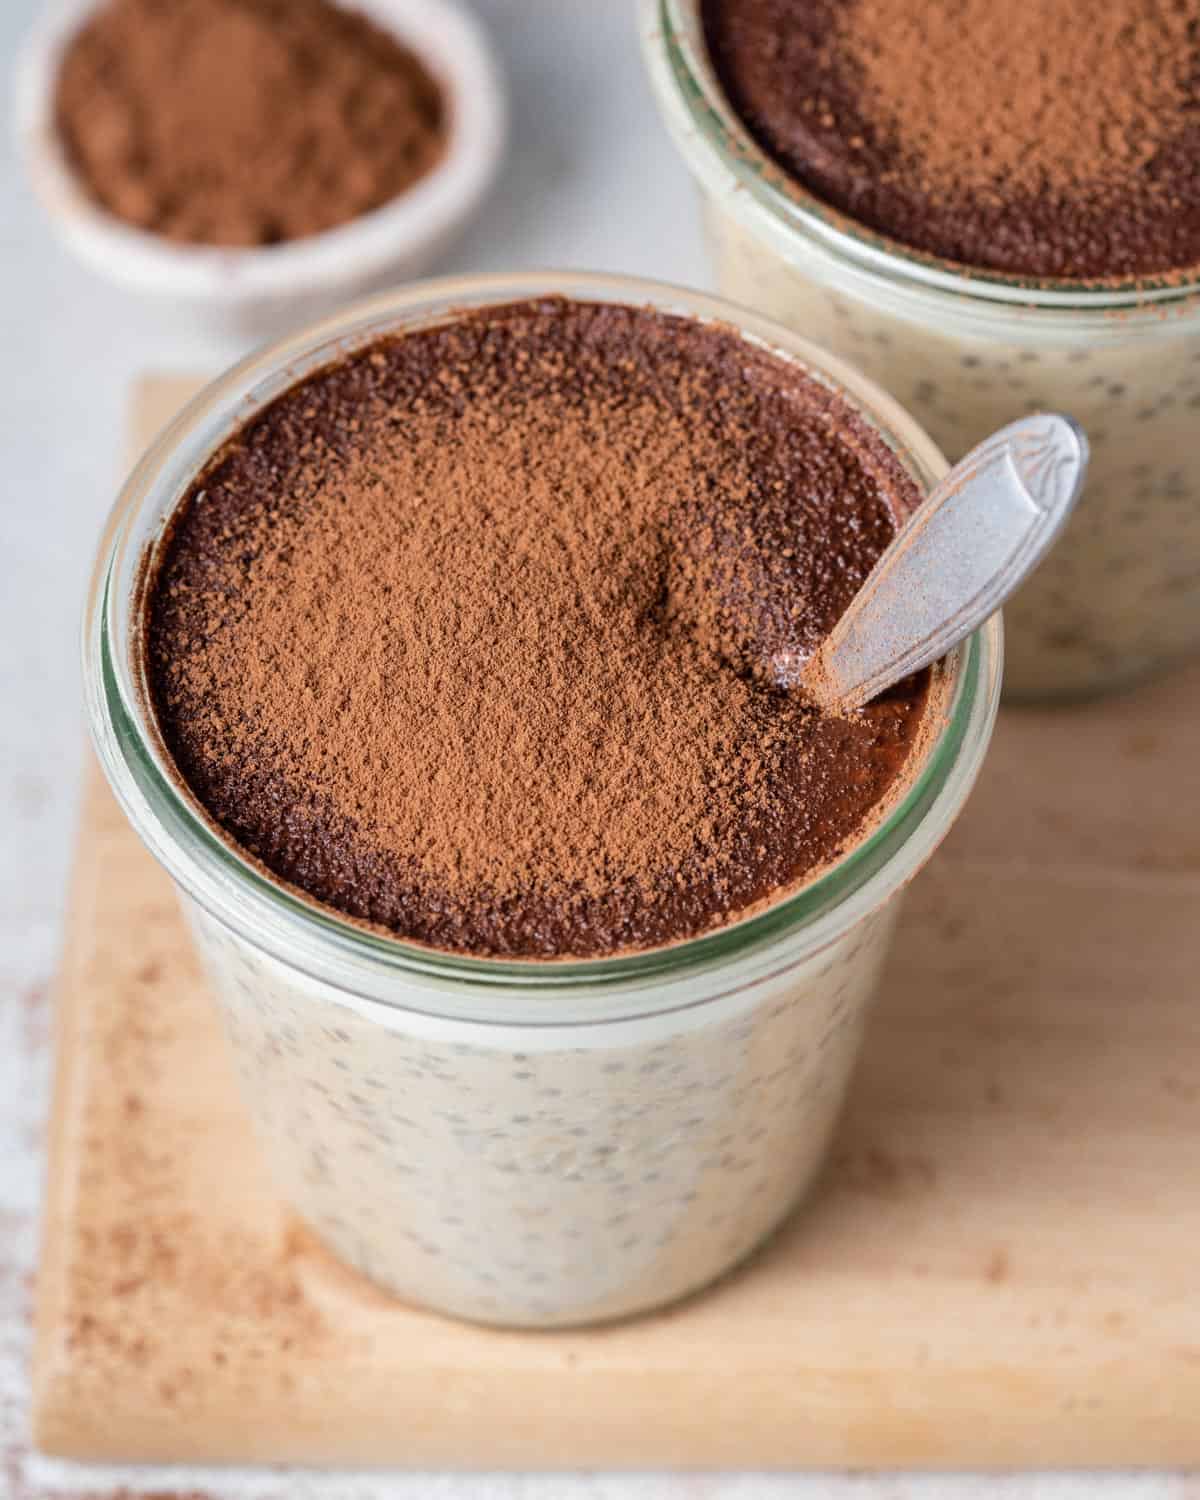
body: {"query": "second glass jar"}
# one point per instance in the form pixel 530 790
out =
pixel 1119 596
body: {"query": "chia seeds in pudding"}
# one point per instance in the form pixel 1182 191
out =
pixel 467 639
pixel 1031 199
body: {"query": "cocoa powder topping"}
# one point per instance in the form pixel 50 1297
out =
pixel 243 122
pixel 473 635
pixel 1061 139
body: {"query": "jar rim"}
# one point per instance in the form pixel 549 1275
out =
pixel 361 961
pixel 680 67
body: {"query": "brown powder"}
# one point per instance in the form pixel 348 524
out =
pixel 1059 139
pixel 472 635
pixel 1073 93
pixel 243 122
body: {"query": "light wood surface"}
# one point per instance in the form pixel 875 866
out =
pixel 1002 1267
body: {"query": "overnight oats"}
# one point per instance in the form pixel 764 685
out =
pixel 988 218
pixel 434 652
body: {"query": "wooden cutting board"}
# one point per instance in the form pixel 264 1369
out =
pixel 1002 1267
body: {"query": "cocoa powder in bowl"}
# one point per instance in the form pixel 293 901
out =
pixel 243 122
pixel 471 635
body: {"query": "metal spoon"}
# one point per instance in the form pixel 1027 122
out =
pixel 979 533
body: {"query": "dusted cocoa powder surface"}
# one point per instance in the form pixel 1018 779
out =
pixel 243 122
pixel 474 635
pixel 1057 139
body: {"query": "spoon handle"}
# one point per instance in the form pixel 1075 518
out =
pixel 981 530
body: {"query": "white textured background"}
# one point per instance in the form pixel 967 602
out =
pixel 591 183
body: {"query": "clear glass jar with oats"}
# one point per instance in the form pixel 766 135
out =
pixel 518 1138
pixel 968 350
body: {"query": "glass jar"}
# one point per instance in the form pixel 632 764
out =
pixel 529 1143
pixel 966 352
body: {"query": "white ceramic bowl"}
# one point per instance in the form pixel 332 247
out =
pixel 258 289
